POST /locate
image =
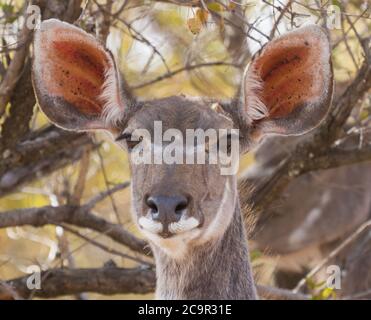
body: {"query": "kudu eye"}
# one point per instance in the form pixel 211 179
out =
pixel 127 137
pixel 228 143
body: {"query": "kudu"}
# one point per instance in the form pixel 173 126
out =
pixel 189 213
pixel 316 212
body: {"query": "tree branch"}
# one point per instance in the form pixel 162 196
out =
pixel 186 68
pixel 107 280
pixel 110 281
pixel 40 153
pixel 78 216
pixel 338 156
pixel 272 293
pixel 339 113
pixel 15 68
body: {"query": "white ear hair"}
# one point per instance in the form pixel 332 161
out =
pixel 113 109
pixel 254 108
pixel 287 87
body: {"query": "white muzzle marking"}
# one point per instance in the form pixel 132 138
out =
pixel 183 225
pixel 150 225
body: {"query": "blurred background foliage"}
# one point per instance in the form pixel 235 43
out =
pixel 152 39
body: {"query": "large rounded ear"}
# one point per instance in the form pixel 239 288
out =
pixel 287 88
pixel 75 78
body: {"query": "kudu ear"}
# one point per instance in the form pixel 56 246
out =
pixel 287 88
pixel 75 78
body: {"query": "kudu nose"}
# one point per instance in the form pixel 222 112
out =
pixel 167 209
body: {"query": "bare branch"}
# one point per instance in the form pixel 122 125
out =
pixel 112 280
pixel 342 109
pixel 281 15
pixel 101 196
pixel 105 248
pixel 338 156
pixel 271 293
pixel 40 153
pixel 107 280
pixel 186 68
pixel 78 216
pixel 364 226
pixel 79 187
pixel 13 72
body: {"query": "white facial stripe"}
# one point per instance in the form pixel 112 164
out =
pixel 183 225
pixel 224 213
pixel 150 225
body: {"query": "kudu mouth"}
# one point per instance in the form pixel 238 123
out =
pixel 168 230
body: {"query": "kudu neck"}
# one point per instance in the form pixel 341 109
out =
pixel 219 270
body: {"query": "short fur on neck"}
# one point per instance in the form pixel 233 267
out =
pixel 218 270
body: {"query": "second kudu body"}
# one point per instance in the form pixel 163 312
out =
pixel 190 213
pixel 316 213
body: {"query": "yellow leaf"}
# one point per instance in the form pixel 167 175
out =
pixel 216 7
pixel 231 6
pixel 327 293
pixel 364 114
pixel 194 25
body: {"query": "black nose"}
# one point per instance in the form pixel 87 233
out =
pixel 167 209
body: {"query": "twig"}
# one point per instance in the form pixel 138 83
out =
pixel 272 293
pixel 105 248
pixel 281 15
pixel 14 70
pixel 333 254
pixel 101 196
pixel 186 68
pixel 81 178
pixel 105 177
pixel 77 216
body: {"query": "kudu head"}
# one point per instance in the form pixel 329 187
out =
pixel 286 90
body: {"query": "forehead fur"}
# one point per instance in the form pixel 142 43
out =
pixel 179 112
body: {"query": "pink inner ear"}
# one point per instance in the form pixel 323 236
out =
pixel 75 70
pixel 291 69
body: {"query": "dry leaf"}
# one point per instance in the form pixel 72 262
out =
pixel 202 15
pixel 194 25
